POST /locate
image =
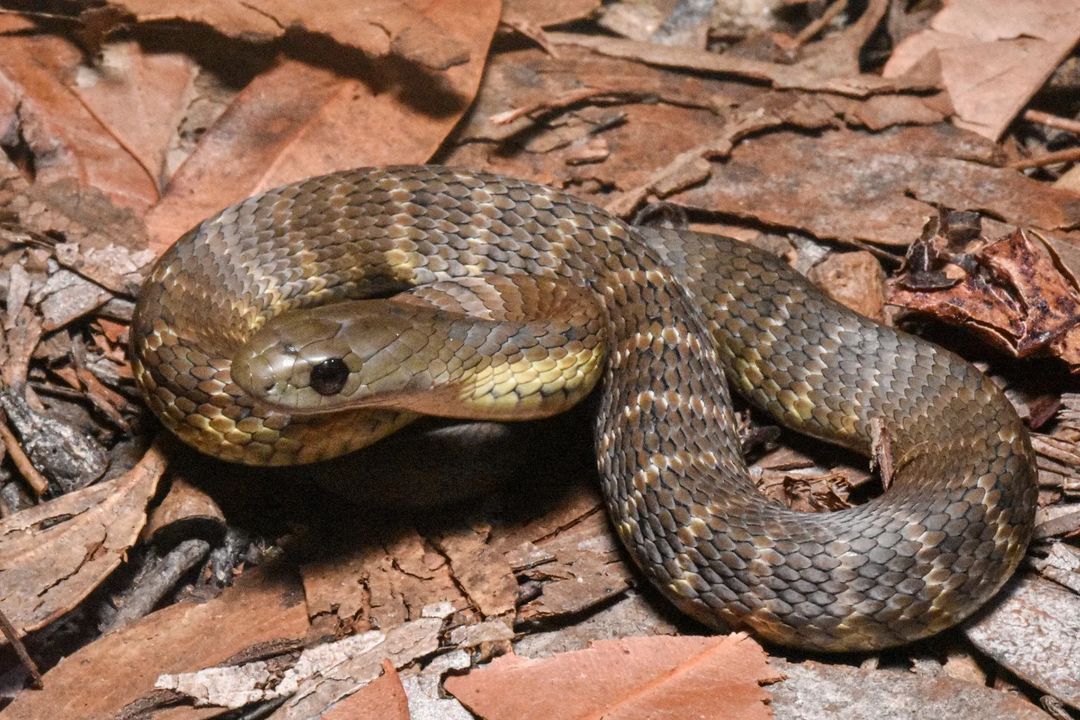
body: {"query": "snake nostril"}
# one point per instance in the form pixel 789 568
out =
pixel 329 376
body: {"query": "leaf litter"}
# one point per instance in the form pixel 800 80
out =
pixel 838 138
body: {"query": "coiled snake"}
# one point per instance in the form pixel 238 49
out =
pixel 247 343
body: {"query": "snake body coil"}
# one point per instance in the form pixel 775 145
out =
pixel 681 309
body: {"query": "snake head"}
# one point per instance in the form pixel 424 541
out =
pixel 336 357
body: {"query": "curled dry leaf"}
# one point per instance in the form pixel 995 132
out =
pixel 699 677
pixel 1010 291
pixel 53 555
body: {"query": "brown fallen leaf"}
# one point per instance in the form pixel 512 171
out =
pixel 262 608
pixel 297 120
pixel 377 27
pixel 994 55
pixel 638 677
pixel 543 14
pixel 781 77
pixel 53 555
pixel 854 279
pixel 141 97
pixel 1011 292
pixel 689 168
pixel 67 141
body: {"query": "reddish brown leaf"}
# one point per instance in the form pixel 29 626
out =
pixel 297 120
pixel 261 608
pixel 854 279
pixel 791 77
pixel 140 97
pixel 550 12
pixel 67 141
pixel 635 678
pixel 854 186
pixel 1019 299
pixel 376 27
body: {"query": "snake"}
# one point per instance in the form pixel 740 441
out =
pixel 246 342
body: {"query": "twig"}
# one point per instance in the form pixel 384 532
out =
pixel 1061 156
pixel 1054 121
pixel 24 657
pixel 808 32
pixel 33 477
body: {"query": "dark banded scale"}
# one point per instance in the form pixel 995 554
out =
pixel 681 309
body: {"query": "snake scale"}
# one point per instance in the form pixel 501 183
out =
pixel 677 311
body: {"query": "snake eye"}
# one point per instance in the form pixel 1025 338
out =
pixel 329 376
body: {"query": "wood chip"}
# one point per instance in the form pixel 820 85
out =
pixel 1033 628
pixel 53 555
pixel 813 691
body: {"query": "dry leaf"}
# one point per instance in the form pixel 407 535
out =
pixel 782 77
pixel 377 27
pixel 262 608
pixel 55 554
pixel 638 677
pixel 383 698
pixel 298 120
pixel 67 141
pixel 1015 296
pixel 550 12
pixel 853 279
pixel 141 97
pixel 994 55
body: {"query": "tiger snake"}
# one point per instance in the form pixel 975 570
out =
pixel 313 319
